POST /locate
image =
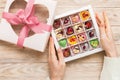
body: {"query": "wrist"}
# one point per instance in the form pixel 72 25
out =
pixel 55 79
pixel 112 54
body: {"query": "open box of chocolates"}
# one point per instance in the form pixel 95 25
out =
pixel 76 33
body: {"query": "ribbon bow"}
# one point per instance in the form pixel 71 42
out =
pixel 27 18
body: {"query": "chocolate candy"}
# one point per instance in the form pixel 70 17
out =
pixel 85 15
pixel 88 24
pixel 72 40
pixel 57 24
pixel 85 46
pixel 75 18
pixel 75 49
pixel 69 31
pixel 94 43
pixel 63 43
pixel 59 33
pixel 78 28
pixel 66 52
pixel 66 21
pixel 91 33
pixel 82 37
pixel 76 34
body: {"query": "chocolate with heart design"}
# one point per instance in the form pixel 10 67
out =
pixel 63 43
pixel 94 43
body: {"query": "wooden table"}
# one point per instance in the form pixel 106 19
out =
pixel 25 64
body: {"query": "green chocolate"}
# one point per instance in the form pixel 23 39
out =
pixel 94 43
pixel 63 42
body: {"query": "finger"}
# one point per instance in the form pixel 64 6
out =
pixel 97 19
pixel 52 53
pixel 107 24
pixel 49 47
pixel 101 25
pixel 106 21
pixel 60 55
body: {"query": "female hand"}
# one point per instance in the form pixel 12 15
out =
pixel 106 35
pixel 56 66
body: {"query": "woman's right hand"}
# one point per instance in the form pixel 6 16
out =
pixel 106 35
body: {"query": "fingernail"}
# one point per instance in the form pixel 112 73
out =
pixel 59 50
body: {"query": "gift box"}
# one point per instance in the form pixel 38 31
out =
pixel 76 33
pixel 29 26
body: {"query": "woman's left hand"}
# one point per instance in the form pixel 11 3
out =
pixel 56 66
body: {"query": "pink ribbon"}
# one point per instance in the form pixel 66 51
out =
pixel 27 18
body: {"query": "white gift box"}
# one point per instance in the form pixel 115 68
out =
pixel 36 41
pixel 62 34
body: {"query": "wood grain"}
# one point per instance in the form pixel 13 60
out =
pixel 26 64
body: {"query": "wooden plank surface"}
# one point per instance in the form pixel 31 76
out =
pixel 26 64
